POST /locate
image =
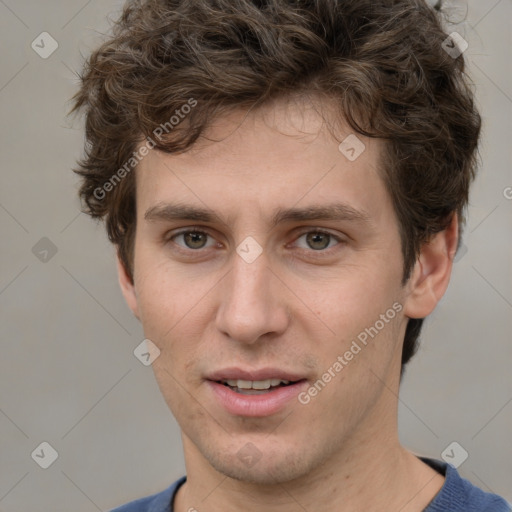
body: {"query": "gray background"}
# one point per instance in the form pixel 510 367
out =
pixel 68 375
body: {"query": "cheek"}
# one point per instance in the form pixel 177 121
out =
pixel 353 300
pixel 163 294
pixel 173 310
pixel 362 309
pixel 357 362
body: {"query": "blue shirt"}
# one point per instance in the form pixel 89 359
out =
pixel 456 495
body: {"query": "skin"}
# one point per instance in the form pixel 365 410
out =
pixel 294 307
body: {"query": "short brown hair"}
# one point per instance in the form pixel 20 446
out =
pixel 383 61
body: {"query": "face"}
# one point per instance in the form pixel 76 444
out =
pixel 265 253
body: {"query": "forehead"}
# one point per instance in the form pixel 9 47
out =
pixel 284 154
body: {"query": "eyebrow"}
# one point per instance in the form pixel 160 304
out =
pixel 333 212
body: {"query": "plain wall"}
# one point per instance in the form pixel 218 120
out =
pixel 68 375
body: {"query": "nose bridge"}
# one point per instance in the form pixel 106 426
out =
pixel 250 305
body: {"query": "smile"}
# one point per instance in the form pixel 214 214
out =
pixel 254 387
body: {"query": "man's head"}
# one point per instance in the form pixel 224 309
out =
pixel 340 137
pixel 380 66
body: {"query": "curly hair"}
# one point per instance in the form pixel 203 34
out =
pixel 383 62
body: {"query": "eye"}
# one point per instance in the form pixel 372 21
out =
pixel 192 239
pixel 318 240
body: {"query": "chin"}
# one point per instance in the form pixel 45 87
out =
pixel 262 475
pixel 269 467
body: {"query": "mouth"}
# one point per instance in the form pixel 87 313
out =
pixel 256 387
pixel 255 393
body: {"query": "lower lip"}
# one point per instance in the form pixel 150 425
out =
pixel 255 405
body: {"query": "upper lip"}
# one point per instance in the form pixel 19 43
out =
pixel 252 375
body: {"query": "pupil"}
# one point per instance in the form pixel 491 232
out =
pixel 194 240
pixel 315 240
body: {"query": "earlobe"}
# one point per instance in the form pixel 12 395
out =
pixel 431 274
pixel 127 287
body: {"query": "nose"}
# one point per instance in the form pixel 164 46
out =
pixel 252 302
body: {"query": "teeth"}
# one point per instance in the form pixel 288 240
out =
pixel 255 384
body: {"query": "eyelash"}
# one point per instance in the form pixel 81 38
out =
pixel 316 253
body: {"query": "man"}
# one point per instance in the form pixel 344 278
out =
pixel 285 184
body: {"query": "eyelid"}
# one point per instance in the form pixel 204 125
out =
pixel 186 229
pixel 313 229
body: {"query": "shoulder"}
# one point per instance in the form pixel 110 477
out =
pixel 460 495
pixel 160 502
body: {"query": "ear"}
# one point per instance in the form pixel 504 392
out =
pixel 127 286
pixel 431 274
